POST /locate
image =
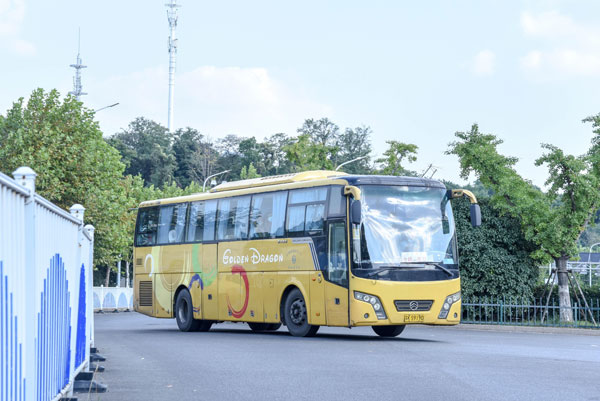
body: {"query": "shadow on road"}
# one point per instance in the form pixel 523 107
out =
pixel 285 334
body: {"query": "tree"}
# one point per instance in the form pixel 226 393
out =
pixel 322 131
pixel 307 155
pixel 495 258
pixel 397 153
pixel 187 145
pixel 354 143
pixel 553 220
pixel 249 173
pixel 60 140
pixel 145 147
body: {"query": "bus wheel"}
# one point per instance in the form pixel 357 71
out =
pixel 184 313
pixel 295 316
pixel 388 331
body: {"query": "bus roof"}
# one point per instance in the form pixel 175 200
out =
pixel 295 180
pixel 277 179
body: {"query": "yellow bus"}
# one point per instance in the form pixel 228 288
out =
pixel 310 249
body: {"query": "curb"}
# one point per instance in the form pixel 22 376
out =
pixel 526 329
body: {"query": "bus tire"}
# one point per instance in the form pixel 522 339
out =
pixel 295 316
pixel 388 331
pixel 184 313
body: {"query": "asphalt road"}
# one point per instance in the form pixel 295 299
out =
pixel 149 359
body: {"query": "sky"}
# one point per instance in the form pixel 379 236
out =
pixel 415 72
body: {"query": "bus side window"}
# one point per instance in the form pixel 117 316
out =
pixel 233 218
pixel 337 269
pixel 171 223
pixel 146 227
pixel 306 211
pixel 196 224
pixel 210 218
pixel 267 215
pixel 337 201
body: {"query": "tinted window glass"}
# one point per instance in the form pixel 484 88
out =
pixel 337 263
pixel 308 195
pixel 295 221
pixel 196 224
pixel 171 223
pixel 210 217
pixel 147 226
pixel 267 215
pixel 233 218
pixel 337 201
pixel 314 217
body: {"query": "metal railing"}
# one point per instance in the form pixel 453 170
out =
pixel 46 314
pixel 523 312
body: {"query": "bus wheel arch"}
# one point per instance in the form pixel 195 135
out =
pixel 295 314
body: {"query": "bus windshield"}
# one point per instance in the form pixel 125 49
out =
pixel 404 225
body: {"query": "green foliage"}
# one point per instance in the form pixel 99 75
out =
pixel 305 154
pixel 145 148
pixel 60 140
pixel 249 173
pixel 397 153
pixel 354 143
pixel 495 258
pixel 553 220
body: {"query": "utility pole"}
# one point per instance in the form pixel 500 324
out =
pixel 172 17
pixel 77 88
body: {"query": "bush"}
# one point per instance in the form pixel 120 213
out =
pixel 495 257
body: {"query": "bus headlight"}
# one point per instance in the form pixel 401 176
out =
pixel 450 299
pixel 374 301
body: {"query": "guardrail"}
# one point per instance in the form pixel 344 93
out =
pixel 503 311
pixel 110 299
pixel 46 315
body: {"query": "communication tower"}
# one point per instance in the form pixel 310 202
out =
pixel 77 88
pixel 172 17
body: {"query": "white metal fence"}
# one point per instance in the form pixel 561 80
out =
pixel 46 304
pixel 113 299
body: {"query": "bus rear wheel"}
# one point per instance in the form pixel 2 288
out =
pixel 295 316
pixel 184 314
pixel 388 331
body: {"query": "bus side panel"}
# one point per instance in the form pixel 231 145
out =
pixel 230 305
pixel 172 270
pixel 210 293
pixel 253 295
pixel 271 295
pixel 317 299
pixel 145 262
pixel 337 304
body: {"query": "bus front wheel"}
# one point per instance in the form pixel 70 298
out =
pixel 295 316
pixel 388 331
pixel 184 314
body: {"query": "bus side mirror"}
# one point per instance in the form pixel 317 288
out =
pixel 355 212
pixel 475 215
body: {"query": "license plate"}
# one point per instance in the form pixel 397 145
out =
pixel 417 318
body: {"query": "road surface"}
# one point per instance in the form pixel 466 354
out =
pixel 149 359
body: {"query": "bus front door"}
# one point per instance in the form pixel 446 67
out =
pixel 336 280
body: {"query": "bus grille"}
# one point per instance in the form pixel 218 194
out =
pixel 413 305
pixel 145 291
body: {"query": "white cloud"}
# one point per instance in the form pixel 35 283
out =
pixel 569 47
pixel 12 15
pixel 215 100
pixel 483 63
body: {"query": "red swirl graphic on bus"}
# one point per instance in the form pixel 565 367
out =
pixel 239 313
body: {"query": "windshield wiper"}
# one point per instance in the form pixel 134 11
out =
pixel 435 264
pixel 382 269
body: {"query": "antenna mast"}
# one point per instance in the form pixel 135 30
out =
pixel 172 17
pixel 77 88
